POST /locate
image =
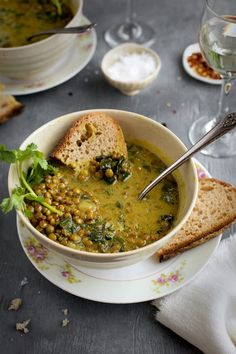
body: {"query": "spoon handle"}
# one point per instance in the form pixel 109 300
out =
pixel 77 29
pixel 228 123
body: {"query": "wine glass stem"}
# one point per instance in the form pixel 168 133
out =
pixel 130 30
pixel 129 11
pixel 226 91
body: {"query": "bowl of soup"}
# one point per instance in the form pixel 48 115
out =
pixel 103 224
pixel 23 60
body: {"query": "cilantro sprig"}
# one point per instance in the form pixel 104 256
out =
pixel 35 174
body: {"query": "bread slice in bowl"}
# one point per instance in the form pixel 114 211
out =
pixel 93 135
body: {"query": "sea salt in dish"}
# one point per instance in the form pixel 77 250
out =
pixel 130 67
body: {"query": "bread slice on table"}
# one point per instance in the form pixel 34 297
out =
pixel 215 210
pixel 93 135
pixel 9 107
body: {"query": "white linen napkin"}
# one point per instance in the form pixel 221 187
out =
pixel 204 311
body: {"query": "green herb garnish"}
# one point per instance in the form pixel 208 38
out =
pixel 118 168
pixel 119 205
pixel 169 192
pixel 39 168
pixel 165 221
pixel 69 226
pixel 102 233
pixel 214 59
pixel 58 6
pixel 109 191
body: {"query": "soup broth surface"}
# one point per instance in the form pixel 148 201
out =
pixel 21 18
pixel 110 218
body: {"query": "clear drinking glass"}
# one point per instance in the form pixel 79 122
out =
pixel 217 40
pixel 131 30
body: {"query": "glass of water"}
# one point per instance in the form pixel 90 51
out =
pixel 217 40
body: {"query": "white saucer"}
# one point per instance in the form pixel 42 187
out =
pixel 69 66
pixel 143 281
pixel 194 48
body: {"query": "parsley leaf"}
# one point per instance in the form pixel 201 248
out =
pixel 36 174
pixel 16 200
pixel 39 169
pixel 6 155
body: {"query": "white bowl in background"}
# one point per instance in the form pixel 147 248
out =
pixel 135 127
pixel 29 61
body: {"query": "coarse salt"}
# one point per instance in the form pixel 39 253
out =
pixel 132 67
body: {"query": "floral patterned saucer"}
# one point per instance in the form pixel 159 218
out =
pixel 143 281
pixel 79 56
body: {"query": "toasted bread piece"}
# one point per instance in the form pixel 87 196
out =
pixel 214 211
pixel 9 107
pixel 93 135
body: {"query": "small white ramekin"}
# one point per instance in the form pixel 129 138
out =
pixel 130 87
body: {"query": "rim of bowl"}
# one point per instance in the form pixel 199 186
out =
pixel 30 45
pixel 122 47
pixel 120 254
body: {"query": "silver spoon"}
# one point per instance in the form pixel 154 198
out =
pixel 228 123
pixel 78 29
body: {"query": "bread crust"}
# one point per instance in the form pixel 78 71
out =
pixel 92 135
pixel 9 107
pixel 215 210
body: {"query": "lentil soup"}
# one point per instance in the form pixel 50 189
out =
pixel 20 19
pixel 100 209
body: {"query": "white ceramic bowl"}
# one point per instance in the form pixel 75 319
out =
pixel 29 61
pixel 129 88
pixel 134 126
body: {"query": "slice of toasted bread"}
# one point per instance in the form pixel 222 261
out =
pixel 9 107
pixel 214 211
pixel 93 135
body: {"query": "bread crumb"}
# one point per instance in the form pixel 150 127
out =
pixel 168 104
pixel 9 107
pixel 65 311
pixel 15 304
pixel 24 281
pixel 65 322
pixel 22 326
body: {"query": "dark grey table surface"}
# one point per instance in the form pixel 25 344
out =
pixel 97 327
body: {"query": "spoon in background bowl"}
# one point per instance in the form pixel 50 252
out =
pixel 224 126
pixel 64 30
